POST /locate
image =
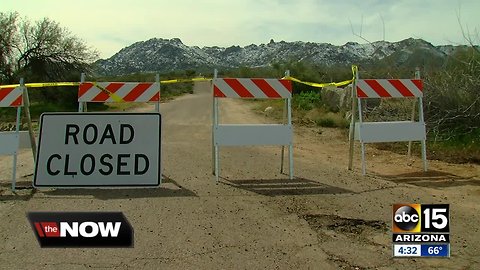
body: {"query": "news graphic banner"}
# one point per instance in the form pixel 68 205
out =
pixel 421 230
pixel 81 229
pixel 99 150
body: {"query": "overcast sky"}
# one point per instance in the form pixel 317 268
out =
pixel 109 25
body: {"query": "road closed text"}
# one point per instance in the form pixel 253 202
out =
pixel 121 164
pixel 99 149
pixel 105 164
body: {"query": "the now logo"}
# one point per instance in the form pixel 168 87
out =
pixel 74 229
pixel 81 229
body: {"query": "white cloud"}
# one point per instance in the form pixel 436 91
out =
pixel 110 25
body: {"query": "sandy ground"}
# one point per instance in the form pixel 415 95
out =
pixel 326 218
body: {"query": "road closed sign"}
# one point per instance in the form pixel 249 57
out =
pixel 98 150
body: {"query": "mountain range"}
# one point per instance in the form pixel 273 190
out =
pixel 165 55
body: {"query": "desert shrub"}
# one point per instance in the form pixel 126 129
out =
pixel 452 100
pixel 306 100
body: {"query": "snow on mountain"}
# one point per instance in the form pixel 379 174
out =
pixel 164 55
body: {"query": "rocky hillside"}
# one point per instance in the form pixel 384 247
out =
pixel 163 55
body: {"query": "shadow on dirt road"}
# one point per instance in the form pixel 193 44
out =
pixel 432 179
pixel 281 187
pixel 169 188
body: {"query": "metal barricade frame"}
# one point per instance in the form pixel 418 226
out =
pixel 389 131
pixel 251 134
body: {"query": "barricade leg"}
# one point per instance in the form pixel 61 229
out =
pixel 14 171
pixel 282 159
pixel 216 164
pixel 290 160
pixel 351 133
pixel 157 104
pixel 409 152
pixel 213 157
pixel 351 139
pixel 17 131
pixel 26 103
pixel 213 153
pixel 424 155
pixel 285 116
pixel 80 103
pixel 424 144
pixel 288 105
pixel 364 166
pixel 417 76
pixel 214 124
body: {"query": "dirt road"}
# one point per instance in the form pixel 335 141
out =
pixel 327 218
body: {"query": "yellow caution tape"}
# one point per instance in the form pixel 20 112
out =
pixel 354 71
pixel 114 96
pixel 119 99
pixel 48 84
pixel 185 80
pixel 319 85
pixel 55 84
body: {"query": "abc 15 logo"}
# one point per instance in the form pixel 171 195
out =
pixel 420 218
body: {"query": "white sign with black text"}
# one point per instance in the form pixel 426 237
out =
pixel 99 150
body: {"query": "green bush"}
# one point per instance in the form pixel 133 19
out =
pixel 306 100
pixel 331 120
pixel 326 122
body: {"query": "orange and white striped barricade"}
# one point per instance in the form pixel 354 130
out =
pixel 10 141
pixel 392 131
pixel 121 92
pixel 251 134
pixel 111 92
